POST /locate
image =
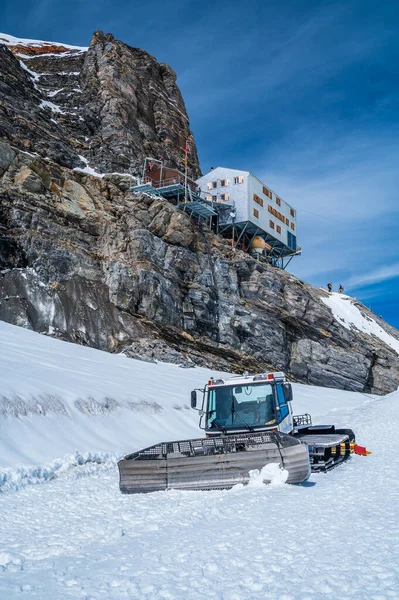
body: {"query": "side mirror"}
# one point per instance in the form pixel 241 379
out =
pixel 194 399
pixel 287 387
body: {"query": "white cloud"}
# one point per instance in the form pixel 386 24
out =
pixel 383 273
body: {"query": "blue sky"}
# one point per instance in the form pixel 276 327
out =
pixel 303 93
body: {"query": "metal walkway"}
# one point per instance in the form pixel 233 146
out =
pixel 146 188
pixel 197 208
pixel 194 204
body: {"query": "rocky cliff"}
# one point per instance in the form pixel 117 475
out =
pixel 107 106
pixel 84 259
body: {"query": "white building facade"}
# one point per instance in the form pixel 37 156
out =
pixel 252 202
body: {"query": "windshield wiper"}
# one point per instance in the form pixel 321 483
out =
pixel 222 429
pixel 234 412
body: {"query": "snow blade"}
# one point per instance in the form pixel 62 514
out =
pixel 211 463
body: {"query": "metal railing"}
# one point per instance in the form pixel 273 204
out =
pixel 192 188
pixel 172 181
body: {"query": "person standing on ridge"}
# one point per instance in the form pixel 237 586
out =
pixel 340 289
pixel 329 287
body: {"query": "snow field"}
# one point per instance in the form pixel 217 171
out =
pixel 58 398
pixel 68 412
pixel 335 537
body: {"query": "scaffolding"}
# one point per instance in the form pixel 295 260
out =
pixel 243 234
pixel 172 184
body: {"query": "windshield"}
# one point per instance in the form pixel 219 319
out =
pixel 230 406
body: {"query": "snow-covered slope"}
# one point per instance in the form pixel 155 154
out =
pixel 78 537
pixel 344 310
pixel 57 398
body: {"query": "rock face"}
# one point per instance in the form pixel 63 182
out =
pixel 83 259
pixel 107 106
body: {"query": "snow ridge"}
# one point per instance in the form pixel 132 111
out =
pixel 10 40
pixel 72 466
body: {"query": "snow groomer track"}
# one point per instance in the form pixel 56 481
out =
pixel 211 463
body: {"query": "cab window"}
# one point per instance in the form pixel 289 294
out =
pixel 283 412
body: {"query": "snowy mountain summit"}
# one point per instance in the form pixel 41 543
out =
pixel 85 260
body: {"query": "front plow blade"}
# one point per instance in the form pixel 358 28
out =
pixel 211 463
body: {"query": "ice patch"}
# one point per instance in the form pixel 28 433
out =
pixel 89 171
pixel 54 92
pixel 33 75
pixel 51 106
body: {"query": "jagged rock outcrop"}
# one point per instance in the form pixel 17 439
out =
pixel 107 106
pixel 83 259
